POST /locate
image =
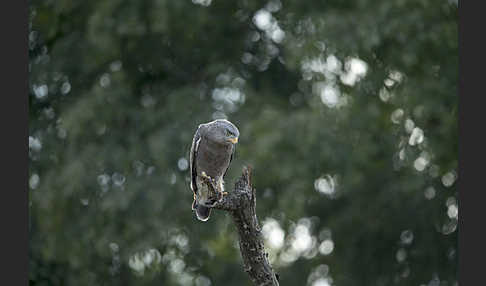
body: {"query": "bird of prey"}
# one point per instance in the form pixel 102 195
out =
pixel 211 153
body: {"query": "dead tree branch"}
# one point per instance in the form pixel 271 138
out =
pixel 241 204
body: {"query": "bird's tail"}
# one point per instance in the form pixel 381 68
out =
pixel 202 213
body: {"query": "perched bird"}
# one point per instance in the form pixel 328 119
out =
pixel 211 153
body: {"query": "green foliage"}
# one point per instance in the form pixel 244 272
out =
pixel 347 112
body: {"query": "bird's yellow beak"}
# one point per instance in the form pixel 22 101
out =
pixel 233 140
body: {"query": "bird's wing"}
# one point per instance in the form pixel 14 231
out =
pixel 192 158
pixel 231 159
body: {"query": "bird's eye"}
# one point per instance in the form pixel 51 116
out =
pixel 229 133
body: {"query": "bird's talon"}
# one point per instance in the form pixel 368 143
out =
pixel 221 195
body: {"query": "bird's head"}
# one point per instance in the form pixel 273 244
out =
pixel 222 131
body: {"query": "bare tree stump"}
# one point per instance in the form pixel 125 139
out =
pixel 241 204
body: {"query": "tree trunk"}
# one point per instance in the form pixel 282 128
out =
pixel 241 204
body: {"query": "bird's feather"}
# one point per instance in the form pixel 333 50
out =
pixel 192 157
pixel 231 159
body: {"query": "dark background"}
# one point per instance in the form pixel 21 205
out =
pixel 347 113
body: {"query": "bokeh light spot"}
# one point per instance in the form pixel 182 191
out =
pixel 182 164
pixel 326 247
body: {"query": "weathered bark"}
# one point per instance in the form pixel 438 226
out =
pixel 241 204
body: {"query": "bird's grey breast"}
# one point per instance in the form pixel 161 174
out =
pixel 213 158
